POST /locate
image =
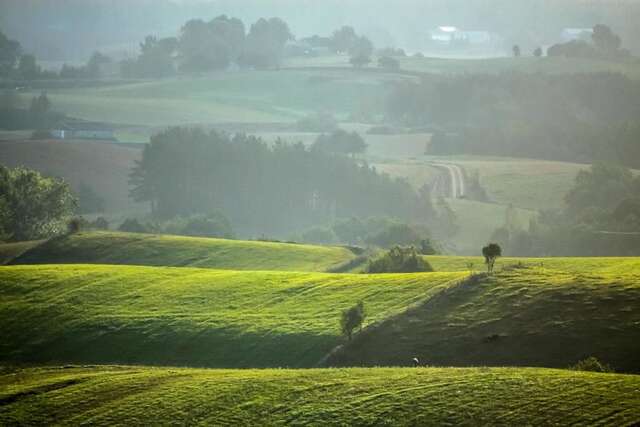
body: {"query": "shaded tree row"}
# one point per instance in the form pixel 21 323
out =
pixel 263 189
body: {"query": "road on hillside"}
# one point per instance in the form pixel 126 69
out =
pixel 450 182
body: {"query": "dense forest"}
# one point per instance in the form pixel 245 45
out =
pixel 576 117
pixel 261 188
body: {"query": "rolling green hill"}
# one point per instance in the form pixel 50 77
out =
pixel 577 265
pixel 180 251
pixel 522 316
pixel 186 316
pixel 402 396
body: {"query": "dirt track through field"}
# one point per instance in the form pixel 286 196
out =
pixel 450 182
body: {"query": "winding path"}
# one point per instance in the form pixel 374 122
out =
pixel 450 183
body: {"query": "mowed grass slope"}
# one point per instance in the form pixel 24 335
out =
pixel 383 396
pixel 192 317
pixel 180 251
pixel 548 316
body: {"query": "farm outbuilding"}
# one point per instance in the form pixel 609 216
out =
pixel 78 129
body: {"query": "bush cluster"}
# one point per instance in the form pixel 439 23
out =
pixel 399 260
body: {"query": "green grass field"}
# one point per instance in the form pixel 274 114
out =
pixel 193 317
pixel 577 265
pixel 441 65
pixel 549 316
pixel 406 397
pixel 180 251
pixel 239 97
pixel 525 183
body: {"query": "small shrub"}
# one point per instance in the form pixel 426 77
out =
pixel 399 260
pixel 213 225
pixel 76 225
pixel 591 364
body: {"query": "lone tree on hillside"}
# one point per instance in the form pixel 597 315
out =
pixel 351 319
pixel 516 51
pixel 491 252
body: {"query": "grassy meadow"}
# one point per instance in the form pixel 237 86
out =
pixel 223 97
pixel 111 395
pixel 551 315
pixel 180 251
pixel 186 316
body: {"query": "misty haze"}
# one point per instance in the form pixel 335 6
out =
pixel 320 212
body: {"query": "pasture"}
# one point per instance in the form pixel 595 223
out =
pixel 180 251
pixel 549 313
pixel 111 395
pixel 185 316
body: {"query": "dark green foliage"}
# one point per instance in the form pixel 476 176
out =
pixel 211 45
pixel 537 52
pixel 388 63
pixel 9 54
pixel 399 260
pixel 605 39
pixel 340 141
pixel 76 225
pixel 428 247
pixel 212 225
pixel 89 201
pixel 319 235
pixel 100 223
pixel 391 52
pixel 591 364
pixel 94 65
pixel 383 232
pixel 605 45
pixel 351 319
pixel 132 225
pixel 32 206
pixel 534 115
pixel 264 46
pixel 320 122
pixel 261 188
pixel 397 234
pixel 155 59
pixel 572 49
pixel 516 51
pixel 343 38
pixel 28 68
pixel 490 253
pixel 360 51
pixel 601 218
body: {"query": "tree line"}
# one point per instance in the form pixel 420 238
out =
pixel 573 117
pixel 264 189
pixel 601 218
pixel 200 46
